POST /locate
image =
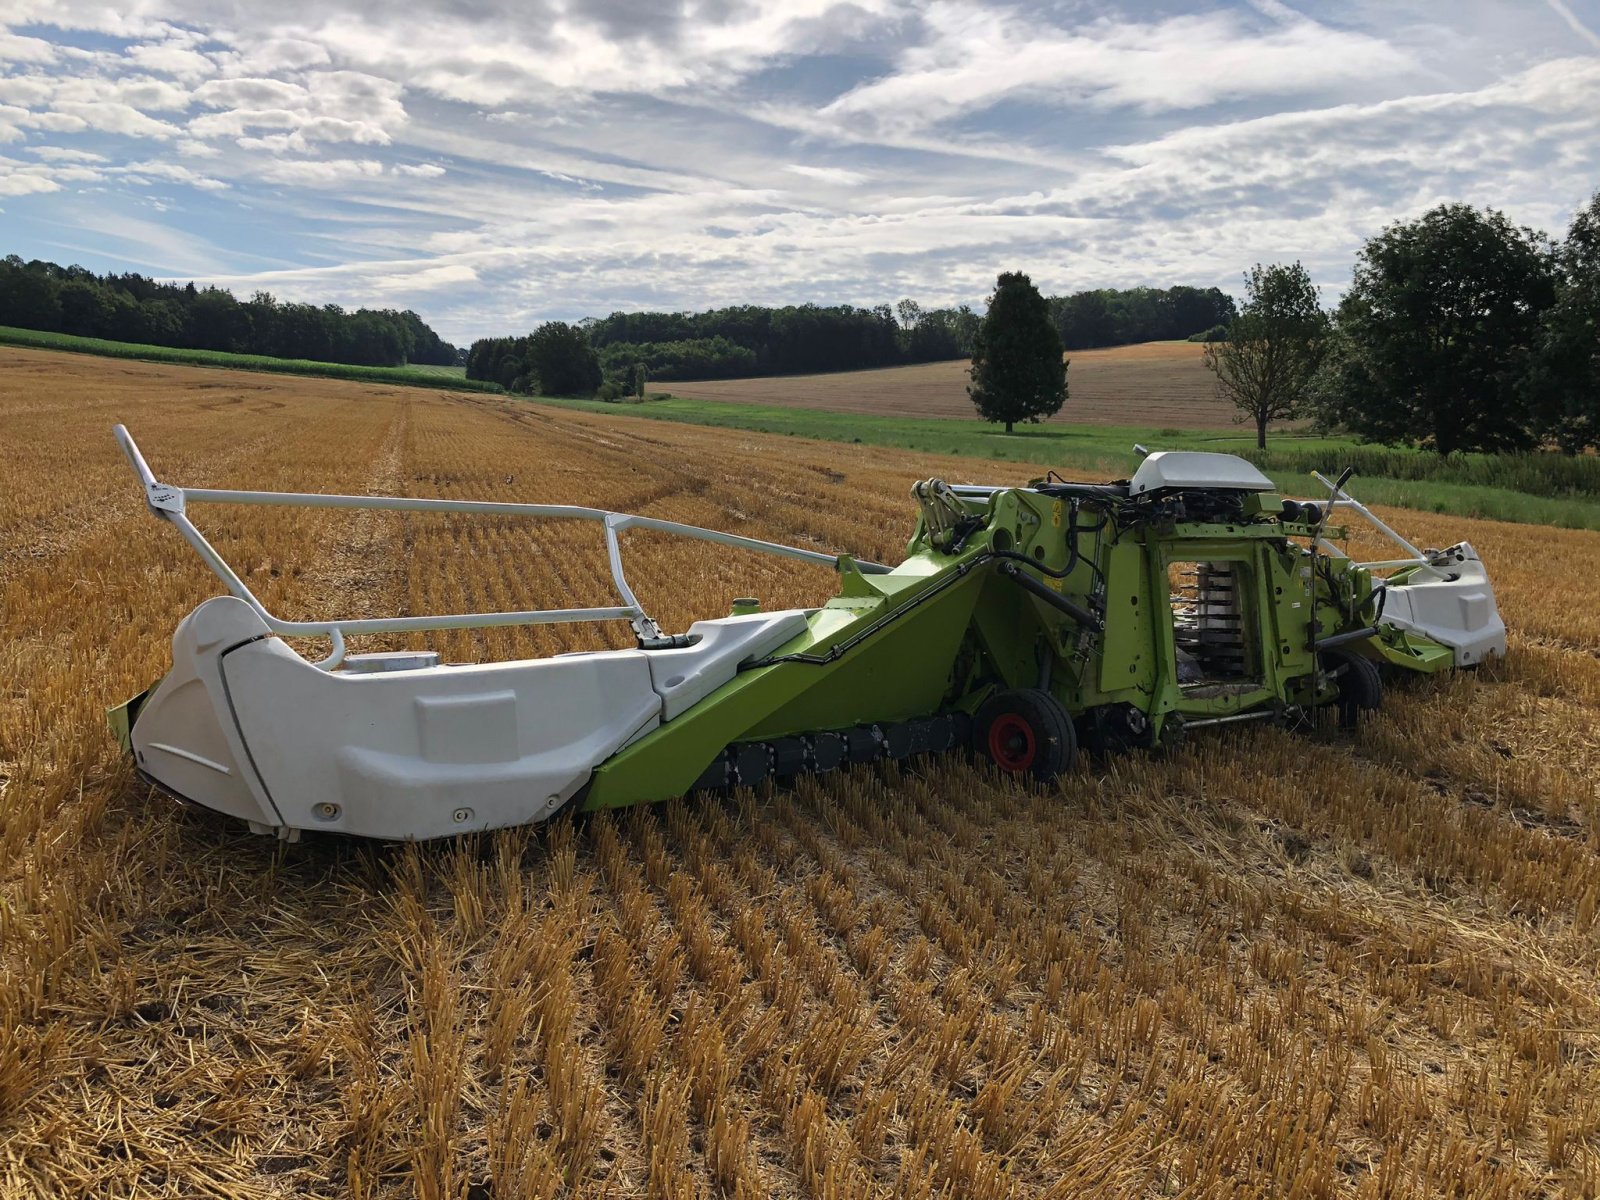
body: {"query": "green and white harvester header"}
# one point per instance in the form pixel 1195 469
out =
pixel 1024 623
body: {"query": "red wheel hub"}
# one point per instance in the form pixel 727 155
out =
pixel 1011 743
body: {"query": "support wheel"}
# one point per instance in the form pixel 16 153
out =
pixel 1360 688
pixel 1026 732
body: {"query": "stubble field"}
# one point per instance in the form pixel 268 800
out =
pixel 1348 965
pixel 1159 384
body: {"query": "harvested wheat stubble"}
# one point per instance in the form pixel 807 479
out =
pixel 1159 384
pixel 1268 966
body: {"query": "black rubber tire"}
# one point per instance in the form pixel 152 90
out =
pixel 1026 732
pixel 1360 686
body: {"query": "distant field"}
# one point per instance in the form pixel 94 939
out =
pixel 411 376
pixel 1157 384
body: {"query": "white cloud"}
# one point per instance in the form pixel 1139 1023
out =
pixel 56 122
pixel 320 172
pixel 16 183
pixel 606 153
pixel 175 173
pixel 426 279
pixel 172 58
pixel 977 57
pixel 111 116
pixel 834 175
pixel 236 122
pixel 251 94
pixel 148 95
pixel 26 89
pixel 63 154
pixel 18 49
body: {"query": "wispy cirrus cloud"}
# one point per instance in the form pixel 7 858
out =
pixel 511 162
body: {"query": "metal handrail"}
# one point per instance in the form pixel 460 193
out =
pixel 169 503
pixel 1339 498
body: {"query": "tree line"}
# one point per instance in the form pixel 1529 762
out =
pixel 753 340
pixel 749 339
pixel 1460 332
pixel 135 308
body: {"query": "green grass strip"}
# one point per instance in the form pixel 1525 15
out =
pixel 410 376
pixel 1403 478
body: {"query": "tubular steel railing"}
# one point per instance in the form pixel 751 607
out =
pixel 169 502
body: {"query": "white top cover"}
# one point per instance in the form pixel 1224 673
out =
pixel 1197 469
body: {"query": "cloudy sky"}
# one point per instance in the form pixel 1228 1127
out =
pixel 494 164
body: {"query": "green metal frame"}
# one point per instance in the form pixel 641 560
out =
pixel 946 629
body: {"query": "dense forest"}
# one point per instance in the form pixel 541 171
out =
pixel 1108 317
pixel 746 340
pixel 134 308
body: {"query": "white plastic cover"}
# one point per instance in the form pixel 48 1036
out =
pixel 1196 469
pixel 685 676
pixel 244 725
pixel 1452 602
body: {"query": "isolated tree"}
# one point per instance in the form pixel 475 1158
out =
pixel 1273 348
pixel 1437 333
pixel 1018 372
pixel 563 360
pixel 633 379
pixel 1564 383
pixel 909 313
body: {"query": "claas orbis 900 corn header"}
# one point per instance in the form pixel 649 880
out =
pixel 1025 623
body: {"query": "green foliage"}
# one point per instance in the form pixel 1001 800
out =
pixel 1564 383
pixel 1018 373
pixel 1108 317
pixel 563 360
pixel 1217 333
pixel 434 377
pixel 1437 334
pixel 1274 346
pixel 1538 473
pixel 753 340
pixel 695 358
pixel 556 359
pixel 750 340
pixel 135 309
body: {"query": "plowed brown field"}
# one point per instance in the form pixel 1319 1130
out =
pixel 1349 965
pixel 1158 384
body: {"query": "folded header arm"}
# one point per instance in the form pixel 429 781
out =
pixel 170 502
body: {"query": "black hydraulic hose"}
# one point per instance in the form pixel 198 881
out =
pixel 1051 597
pixel 1072 562
pixel 1339 639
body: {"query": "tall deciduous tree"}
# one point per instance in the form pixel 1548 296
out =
pixel 1437 333
pixel 1018 372
pixel 1564 385
pixel 562 359
pixel 1274 347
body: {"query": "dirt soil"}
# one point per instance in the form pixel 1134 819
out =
pixel 1158 384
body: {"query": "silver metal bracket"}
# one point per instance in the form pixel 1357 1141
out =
pixel 163 498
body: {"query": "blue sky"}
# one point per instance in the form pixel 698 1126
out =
pixel 494 165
